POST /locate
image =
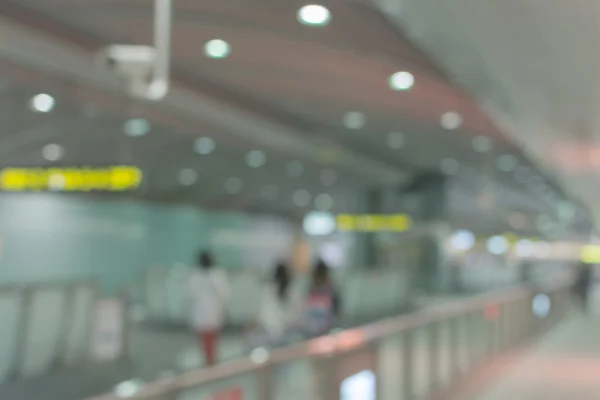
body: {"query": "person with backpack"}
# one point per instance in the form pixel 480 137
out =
pixel 209 293
pixel 323 306
pixel 277 310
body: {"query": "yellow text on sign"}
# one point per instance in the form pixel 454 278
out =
pixel 373 223
pixel 113 179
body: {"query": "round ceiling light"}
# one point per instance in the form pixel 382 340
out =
pixel 462 240
pixel 301 197
pixel 395 140
pixel 187 177
pixel 53 152
pixel 256 158
pixel 324 202
pixel 449 166
pixel 270 192
pixel 354 120
pixel 482 144
pixel 204 145
pixel 233 185
pixel 314 15
pixel 319 224
pixel 42 102
pixel 217 48
pixel 506 163
pixel 450 120
pixel 136 127
pixel 497 245
pixel 328 177
pixel 402 80
pixel 294 169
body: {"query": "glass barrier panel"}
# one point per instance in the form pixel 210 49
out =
pixel 390 368
pixel 11 312
pixel 157 294
pixel 421 372
pixel 44 329
pixel 444 352
pixel 81 313
pixel 295 380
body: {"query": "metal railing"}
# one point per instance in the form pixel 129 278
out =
pixel 47 326
pixel 404 358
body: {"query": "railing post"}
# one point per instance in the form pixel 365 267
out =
pixel 407 365
pixel 434 355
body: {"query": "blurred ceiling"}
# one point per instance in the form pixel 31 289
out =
pixel 533 64
pixel 310 107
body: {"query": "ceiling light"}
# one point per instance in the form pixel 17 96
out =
pixel 395 140
pixel 450 120
pixel 497 245
pixel 42 103
pixel 217 48
pixel 314 15
pixel 136 127
pixel 188 177
pixel 506 163
pixel 328 177
pixel 204 145
pixel 294 169
pixel 462 240
pixel 270 192
pixel 401 80
pixel 319 224
pixel 301 197
pixel 256 159
pixel 354 120
pixel 482 144
pixel 233 185
pixel 449 166
pixel 53 152
pixel 324 202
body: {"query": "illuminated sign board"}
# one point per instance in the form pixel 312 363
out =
pixel 111 179
pixel 373 223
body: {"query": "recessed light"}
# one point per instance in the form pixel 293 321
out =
pixel 256 159
pixel 314 15
pixel 294 169
pixel 188 177
pixel 402 80
pixel 136 127
pixel 204 145
pixel 395 140
pixel 42 103
pixel 323 202
pixel 450 120
pixel 301 197
pixel 233 185
pixel 482 144
pixel 449 166
pixel 497 245
pixel 328 177
pixel 217 48
pixel 354 120
pixel 53 152
pixel 270 192
pixel 506 163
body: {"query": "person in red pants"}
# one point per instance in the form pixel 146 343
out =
pixel 209 292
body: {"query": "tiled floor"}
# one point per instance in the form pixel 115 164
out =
pixel 565 365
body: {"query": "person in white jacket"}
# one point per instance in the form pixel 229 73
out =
pixel 278 311
pixel 209 293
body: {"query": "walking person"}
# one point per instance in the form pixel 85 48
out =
pixel 323 306
pixel 583 284
pixel 278 309
pixel 209 292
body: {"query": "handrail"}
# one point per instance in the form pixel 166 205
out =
pixel 342 342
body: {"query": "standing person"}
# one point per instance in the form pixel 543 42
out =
pixel 278 308
pixel 583 283
pixel 209 292
pixel 323 306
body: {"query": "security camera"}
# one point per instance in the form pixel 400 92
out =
pixel 131 63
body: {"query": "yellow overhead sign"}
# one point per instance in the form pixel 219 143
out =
pixel 113 179
pixel 373 223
